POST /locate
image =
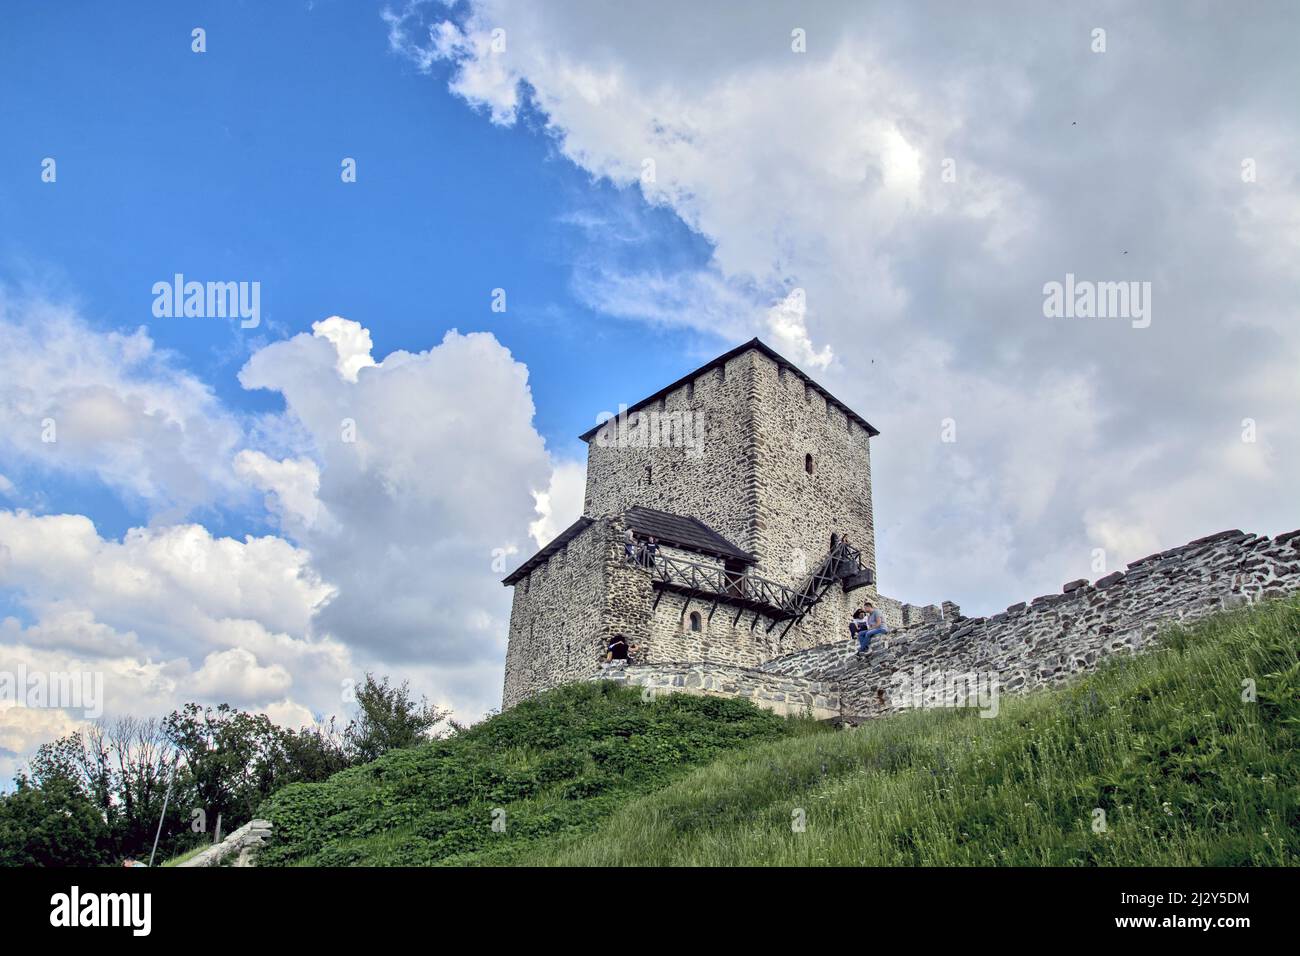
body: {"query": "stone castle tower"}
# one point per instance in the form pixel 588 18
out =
pixel 756 482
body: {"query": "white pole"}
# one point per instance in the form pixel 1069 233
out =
pixel 166 798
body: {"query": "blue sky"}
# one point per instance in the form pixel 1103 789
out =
pixel 884 202
pixel 226 165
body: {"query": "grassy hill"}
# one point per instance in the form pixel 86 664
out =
pixel 1186 771
pixel 557 765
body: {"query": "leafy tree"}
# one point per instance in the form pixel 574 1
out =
pixel 144 763
pixel 54 824
pixel 219 760
pixel 315 753
pixel 123 769
pixel 231 758
pixel 389 720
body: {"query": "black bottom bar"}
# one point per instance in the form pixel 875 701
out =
pixel 934 907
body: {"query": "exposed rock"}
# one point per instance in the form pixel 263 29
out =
pixel 242 844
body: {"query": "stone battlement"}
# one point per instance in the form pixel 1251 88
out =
pixel 1056 636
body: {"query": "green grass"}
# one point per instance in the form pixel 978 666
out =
pixel 557 765
pixel 187 855
pixel 1186 771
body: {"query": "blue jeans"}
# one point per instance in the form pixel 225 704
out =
pixel 864 637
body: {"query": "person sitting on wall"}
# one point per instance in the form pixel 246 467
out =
pixel 649 550
pixel 858 620
pixel 615 652
pixel 873 625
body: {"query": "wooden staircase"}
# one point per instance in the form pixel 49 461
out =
pixel 746 591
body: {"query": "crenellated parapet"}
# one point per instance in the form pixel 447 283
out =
pixel 1053 637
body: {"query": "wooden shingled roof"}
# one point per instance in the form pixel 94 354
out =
pixel 676 531
pixel 683 532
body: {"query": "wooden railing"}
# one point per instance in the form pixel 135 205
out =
pixel 738 587
pixel 731 586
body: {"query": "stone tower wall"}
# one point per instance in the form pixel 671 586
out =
pixel 706 480
pixel 555 619
pixel 723 639
pixel 565 611
pixel 796 512
pixel 747 480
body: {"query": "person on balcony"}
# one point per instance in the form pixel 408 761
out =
pixel 868 627
pixel 847 564
pixel 649 550
pixel 630 547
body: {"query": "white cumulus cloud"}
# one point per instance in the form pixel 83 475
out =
pixel 920 177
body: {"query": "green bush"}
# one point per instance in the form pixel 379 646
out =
pixel 556 765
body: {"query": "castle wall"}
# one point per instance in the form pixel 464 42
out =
pixel 810 658
pixel 730 639
pixel 556 618
pixel 628 593
pixel 783 695
pixel 1057 636
pixel 722 639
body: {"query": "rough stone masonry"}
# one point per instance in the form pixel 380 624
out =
pixel 1052 638
pixel 749 473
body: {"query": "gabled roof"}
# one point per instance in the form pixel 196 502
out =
pixel 673 530
pixel 758 345
pixel 682 532
pixel 544 555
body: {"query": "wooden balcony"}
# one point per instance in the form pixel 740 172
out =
pixel 715 582
pixel 747 591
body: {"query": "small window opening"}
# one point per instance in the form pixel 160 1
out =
pixel 808 463
pixel 695 620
